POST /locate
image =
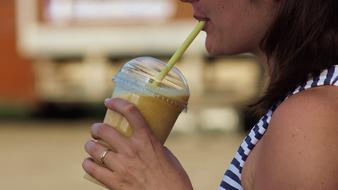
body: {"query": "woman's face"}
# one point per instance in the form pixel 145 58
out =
pixel 234 26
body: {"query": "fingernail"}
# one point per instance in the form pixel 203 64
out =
pixel 90 143
pixel 87 163
pixel 106 101
pixel 95 127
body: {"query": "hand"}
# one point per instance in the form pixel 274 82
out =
pixel 140 162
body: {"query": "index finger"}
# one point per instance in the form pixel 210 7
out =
pixel 131 113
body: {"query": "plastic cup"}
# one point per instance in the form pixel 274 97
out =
pixel 160 104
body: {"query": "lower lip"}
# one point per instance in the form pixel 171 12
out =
pixel 205 25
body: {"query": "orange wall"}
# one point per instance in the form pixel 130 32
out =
pixel 16 75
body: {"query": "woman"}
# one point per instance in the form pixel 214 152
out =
pixel 293 146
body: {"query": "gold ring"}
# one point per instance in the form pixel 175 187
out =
pixel 103 155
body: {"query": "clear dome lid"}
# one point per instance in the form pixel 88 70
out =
pixel 139 73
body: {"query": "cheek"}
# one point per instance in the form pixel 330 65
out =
pixel 232 38
pixel 233 28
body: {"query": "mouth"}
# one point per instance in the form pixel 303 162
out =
pixel 202 18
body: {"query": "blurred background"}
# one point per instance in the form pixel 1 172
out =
pixel 57 60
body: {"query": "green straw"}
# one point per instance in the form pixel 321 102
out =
pixel 179 52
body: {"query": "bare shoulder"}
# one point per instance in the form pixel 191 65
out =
pixel 319 105
pixel 300 147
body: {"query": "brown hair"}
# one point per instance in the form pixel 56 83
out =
pixel 300 44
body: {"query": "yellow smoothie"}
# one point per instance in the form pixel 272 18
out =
pixel 160 114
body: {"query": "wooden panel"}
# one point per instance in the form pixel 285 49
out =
pixel 183 12
pixel 16 75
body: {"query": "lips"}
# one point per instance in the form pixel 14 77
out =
pixel 199 14
pixel 201 18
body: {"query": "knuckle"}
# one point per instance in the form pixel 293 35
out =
pixel 123 172
pixel 126 172
pixel 139 136
pixel 122 184
pixel 129 155
pixel 127 165
pixel 143 139
pixel 130 109
pixel 143 143
pixel 124 162
pixel 132 151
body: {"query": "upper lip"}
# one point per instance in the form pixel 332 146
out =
pixel 200 17
pixel 199 13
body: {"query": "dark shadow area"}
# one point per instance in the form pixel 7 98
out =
pixel 249 119
pixel 52 111
pixel 69 111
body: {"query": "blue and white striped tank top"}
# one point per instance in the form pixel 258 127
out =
pixel 232 177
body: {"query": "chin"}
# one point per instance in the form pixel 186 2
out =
pixel 216 48
pixel 212 48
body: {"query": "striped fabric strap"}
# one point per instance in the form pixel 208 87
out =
pixel 232 177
